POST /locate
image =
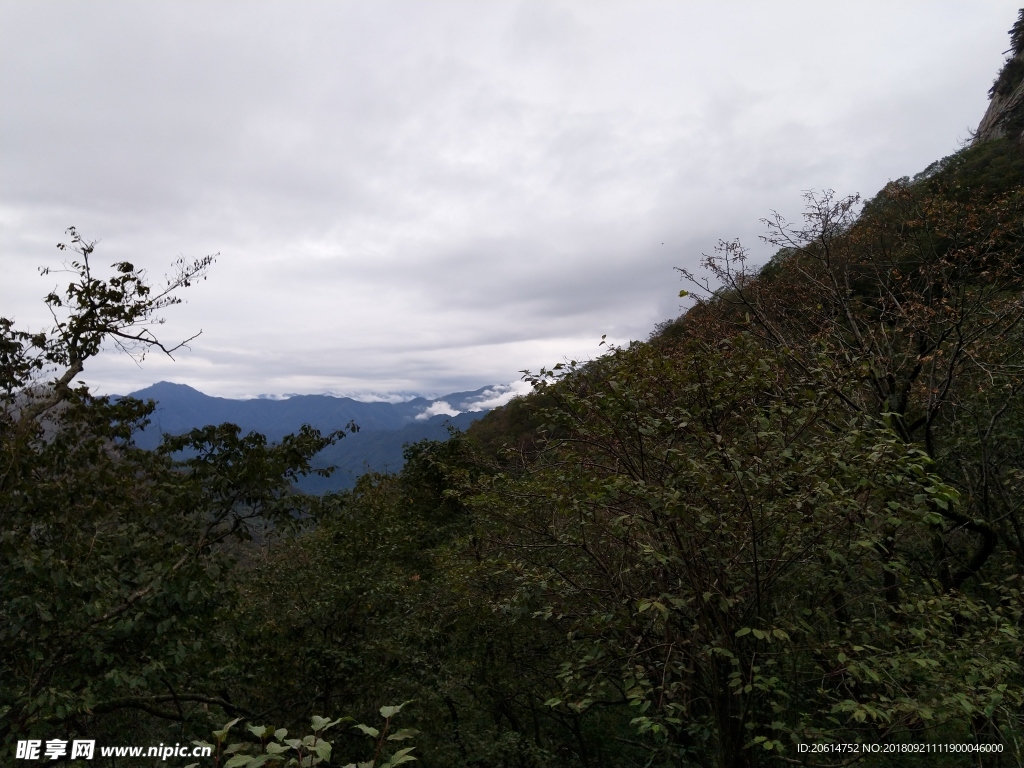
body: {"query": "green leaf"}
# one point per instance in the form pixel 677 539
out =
pixel 368 730
pixel 259 731
pixel 389 712
pixel 239 761
pixel 742 632
pixel 401 756
pixel 323 723
pixel 222 734
pixel 323 750
pixel 403 733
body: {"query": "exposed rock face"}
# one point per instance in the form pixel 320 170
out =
pixel 1005 114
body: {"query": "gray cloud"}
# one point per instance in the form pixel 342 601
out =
pixel 429 197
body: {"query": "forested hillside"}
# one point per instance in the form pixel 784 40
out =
pixel 793 517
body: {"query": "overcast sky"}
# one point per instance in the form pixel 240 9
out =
pixel 422 197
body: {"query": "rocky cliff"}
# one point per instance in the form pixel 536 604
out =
pixel 1005 114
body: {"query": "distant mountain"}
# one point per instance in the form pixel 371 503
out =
pixel 379 450
pixel 384 428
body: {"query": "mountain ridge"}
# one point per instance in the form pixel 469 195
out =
pixel 384 428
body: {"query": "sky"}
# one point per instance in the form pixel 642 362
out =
pixel 421 197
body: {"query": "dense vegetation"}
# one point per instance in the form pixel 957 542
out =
pixel 795 515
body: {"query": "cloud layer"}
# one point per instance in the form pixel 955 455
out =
pixel 432 196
